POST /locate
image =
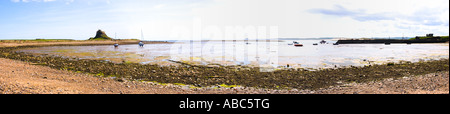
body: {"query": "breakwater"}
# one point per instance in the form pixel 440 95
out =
pixel 388 41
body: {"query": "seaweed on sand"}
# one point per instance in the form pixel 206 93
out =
pixel 250 77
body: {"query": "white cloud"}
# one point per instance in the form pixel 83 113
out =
pixel 159 6
pixel 294 18
pixel 349 18
pixel 69 1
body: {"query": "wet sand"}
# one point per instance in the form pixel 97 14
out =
pixel 17 77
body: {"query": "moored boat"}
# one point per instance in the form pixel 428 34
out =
pixel 141 44
pixel 298 44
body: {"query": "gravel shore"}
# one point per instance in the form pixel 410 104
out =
pixel 17 77
pixel 434 83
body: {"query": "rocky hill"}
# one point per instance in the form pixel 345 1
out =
pixel 101 35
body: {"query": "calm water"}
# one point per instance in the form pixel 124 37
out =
pixel 263 54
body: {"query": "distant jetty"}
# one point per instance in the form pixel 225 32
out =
pixel 429 38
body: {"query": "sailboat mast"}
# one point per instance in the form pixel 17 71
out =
pixel 142 35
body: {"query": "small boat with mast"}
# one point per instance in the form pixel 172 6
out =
pixel 297 44
pixel 141 43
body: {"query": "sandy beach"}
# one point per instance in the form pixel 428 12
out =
pixel 19 77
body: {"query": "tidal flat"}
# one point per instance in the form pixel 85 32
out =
pixel 204 76
pixel 278 55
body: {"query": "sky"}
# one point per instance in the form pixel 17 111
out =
pixel 161 19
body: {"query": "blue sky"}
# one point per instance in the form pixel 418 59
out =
pixel 79 19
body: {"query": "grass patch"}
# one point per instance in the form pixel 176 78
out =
pixel 228 86
pixel 100 74
pixel 180 84
pixel 35 40
pixel 445 38
pixel 43 64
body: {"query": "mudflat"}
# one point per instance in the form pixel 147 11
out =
pixel 18 77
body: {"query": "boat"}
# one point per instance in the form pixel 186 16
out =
pixel 116 45
pixel 298 44
pixel 290 44
pixel 141 44
pixel 335 43
pixel 315 44
pixel 323 42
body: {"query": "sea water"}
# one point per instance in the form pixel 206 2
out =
pixel 254 53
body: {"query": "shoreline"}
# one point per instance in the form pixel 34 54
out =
pixel 17 77
pixel 205 77
pixel 393 41
pixel 16 43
